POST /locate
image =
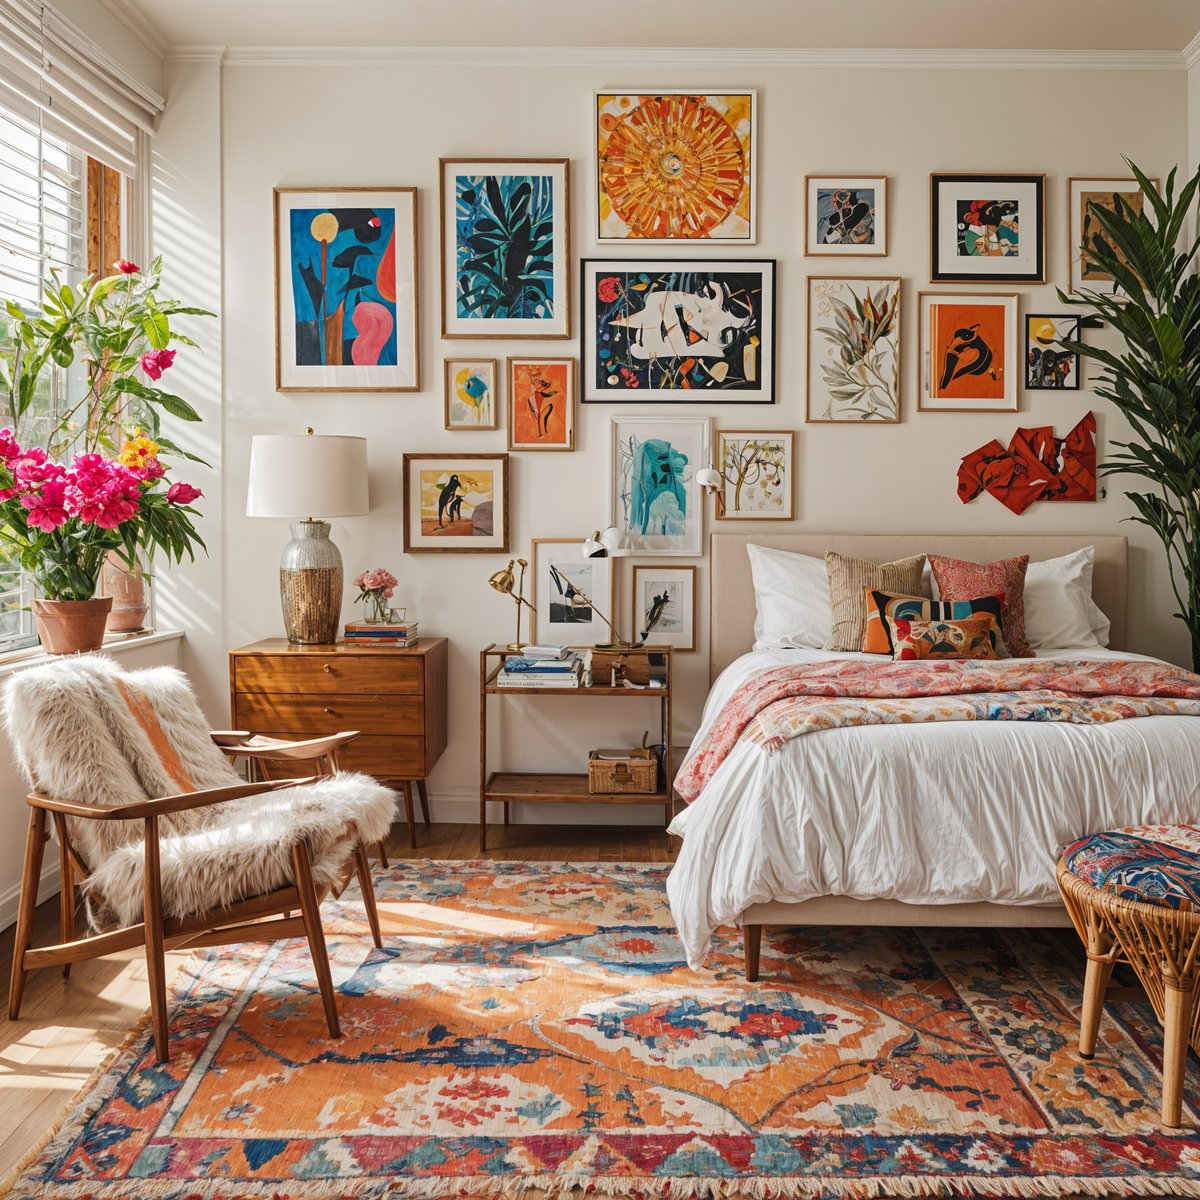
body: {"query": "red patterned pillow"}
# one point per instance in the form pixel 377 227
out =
pixel 960 580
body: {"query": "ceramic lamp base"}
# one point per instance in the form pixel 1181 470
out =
pixel 310 585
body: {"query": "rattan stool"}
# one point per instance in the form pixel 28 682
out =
pixel 1134 896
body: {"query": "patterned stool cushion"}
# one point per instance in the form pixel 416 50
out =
pixel 1152 864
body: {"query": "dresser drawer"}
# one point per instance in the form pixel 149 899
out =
pixel 338 674
pixel 311 715
pixel 383 757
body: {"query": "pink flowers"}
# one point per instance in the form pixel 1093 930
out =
pixel 155 362
pixel 377 580
pixel 126 267
pixel 183 493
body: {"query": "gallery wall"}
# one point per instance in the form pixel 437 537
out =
pixel 387 124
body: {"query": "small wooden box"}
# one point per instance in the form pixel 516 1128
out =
pixel 634 771
pixel 638 666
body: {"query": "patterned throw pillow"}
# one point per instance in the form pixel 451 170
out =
pixel 848 577
pixel 958 580
pixel 974 637
pixel 881 605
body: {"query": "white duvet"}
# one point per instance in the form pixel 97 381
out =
pixel 942 813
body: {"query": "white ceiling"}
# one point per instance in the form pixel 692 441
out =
pixel 1096 25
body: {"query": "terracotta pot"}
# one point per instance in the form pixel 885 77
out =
pixel 71 626
pixel 128 591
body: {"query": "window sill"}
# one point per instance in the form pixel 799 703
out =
pixel 14 660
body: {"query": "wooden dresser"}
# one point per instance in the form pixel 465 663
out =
pixel 395 698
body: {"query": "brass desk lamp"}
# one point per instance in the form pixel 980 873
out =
pixel 505 581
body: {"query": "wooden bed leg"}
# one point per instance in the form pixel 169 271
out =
pixel 752 944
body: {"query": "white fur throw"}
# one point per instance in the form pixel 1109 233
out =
pixel 75 738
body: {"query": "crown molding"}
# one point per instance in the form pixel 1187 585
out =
pixel 134 21
pixel 1191 52
pixel 205 54
pixel 702 58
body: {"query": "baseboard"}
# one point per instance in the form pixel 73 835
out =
pixel 11 897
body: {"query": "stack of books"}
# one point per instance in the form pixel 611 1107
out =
pixel 385 633
pixel 541 667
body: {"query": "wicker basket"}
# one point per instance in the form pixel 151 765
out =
pixel 634 771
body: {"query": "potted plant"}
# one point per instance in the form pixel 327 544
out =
pixel 92 490
pixel 1153 379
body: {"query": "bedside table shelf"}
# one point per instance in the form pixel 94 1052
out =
pixel 566 787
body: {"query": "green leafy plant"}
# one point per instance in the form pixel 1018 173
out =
pixel 1154 378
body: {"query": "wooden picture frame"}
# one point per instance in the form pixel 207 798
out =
pixel 648 144
pixel 853 349
pixel 1083 191
pixel 432 521
pixel 541 403
pixel 499 279
pixel 557 622
pixel 356 246
pixel 846 215
pixel 969 356
pixel 1048 367
pixel 757 468
pixel 987 228
pixel 671 592
pixel 470 393
pixel 636 351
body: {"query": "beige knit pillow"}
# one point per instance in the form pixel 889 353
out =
pixel 848 577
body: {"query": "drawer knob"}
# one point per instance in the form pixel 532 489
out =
pixel 330 713
pixel 327 669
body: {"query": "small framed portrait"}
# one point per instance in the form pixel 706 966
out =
pixel 505 247
pixel 1084 197
pixel 845 215
pixel 987 228
pixel 470 391
pixel 969 358
pixel 664 605
pixel 541 403
pixel 1049 367
pixel 569 593
pixel 456 502
pixel 756 473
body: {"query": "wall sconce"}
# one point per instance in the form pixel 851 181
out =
pixel 710 478
pixel 606 544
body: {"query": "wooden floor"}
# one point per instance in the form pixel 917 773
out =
pixel 69 1026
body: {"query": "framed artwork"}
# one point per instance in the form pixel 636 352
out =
pixel 845 214
pixel 655 497
pixel 687 331
pixel 456 502
pixel 756 467
pixel 470 390
pixel 664 605
pixel 969 352
pixel 541 404
pixel 346 290
pixel 505 247
pixel 676 166
pixel 1083 196
pixel 563 583
pixel 987 228
pixel 1048 366
pixel 853 349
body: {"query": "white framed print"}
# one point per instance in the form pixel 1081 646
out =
pixel 755 466
pixel 845 215
pixel 656 501
pixel 569 593
pixel 664 605
pixel 969 356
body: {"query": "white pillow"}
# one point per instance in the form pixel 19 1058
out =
pixel 1059 610
pixel 791 594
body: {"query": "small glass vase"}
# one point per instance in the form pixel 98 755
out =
pixel 378 611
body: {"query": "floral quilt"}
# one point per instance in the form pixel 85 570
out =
pixel 786 702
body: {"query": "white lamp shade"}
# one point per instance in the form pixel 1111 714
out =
pixel 307 475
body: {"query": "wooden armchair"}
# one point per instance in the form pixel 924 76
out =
pixel 168 845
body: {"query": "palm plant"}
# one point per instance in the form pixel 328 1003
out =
pixel 1154 378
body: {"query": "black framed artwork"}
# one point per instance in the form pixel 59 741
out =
pixel 987 228
pixel 1049 366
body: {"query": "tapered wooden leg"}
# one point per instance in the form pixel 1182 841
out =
pixel 310 911
pixel 423 792
pixel 31 873
pixel 506 812
pixel 751 946
pixel 381 848
pixel 66 889
pixel 156 963
pixel 482 825
pixel 367 886
pixel 1177 1013
pixel 408 815
pixel 1095 986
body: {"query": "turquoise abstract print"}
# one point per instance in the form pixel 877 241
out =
pixel 504 247
pixel 343 275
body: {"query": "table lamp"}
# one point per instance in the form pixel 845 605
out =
pixel 296 475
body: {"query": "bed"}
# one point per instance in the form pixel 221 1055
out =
pixel 952 824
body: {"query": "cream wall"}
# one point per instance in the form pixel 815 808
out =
pixel 388 124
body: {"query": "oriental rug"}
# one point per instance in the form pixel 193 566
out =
pixel 533 1028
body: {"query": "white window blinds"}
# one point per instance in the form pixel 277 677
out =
pixel 85 97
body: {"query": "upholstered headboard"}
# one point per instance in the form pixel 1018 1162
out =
pixel 732 611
